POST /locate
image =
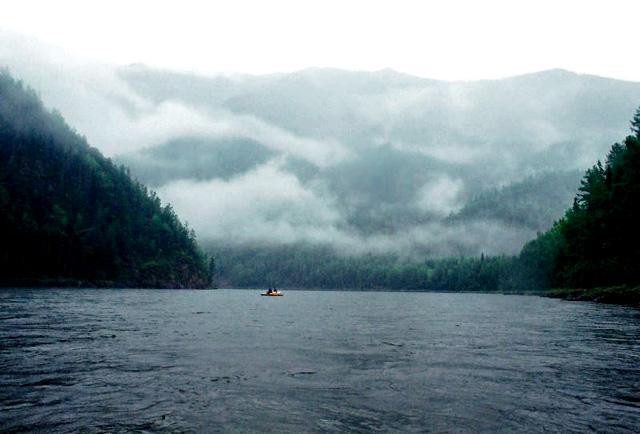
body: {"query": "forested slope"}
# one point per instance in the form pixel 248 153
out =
pixel 305 266
pixel 69 216
pixel 597 242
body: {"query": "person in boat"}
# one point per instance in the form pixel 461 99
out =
pixel 270 291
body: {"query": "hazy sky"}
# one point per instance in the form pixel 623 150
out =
pixel 439 39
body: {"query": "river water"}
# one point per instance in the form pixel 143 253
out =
pixel 312 361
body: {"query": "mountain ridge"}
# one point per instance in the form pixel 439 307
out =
pixel 416 149
pixel 70 217
pixel 363 163
pixel 386 71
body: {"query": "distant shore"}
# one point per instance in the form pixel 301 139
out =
pixel 60 283
pixel 79 283
pixel 623 295
pixel 613 294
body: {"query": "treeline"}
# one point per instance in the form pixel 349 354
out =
pixel 68 214
pixel 305 266
pixel 597 242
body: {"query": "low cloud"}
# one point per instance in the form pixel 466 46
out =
pixel 270 206
pixel 102 106
pixel 357 161
pixel 321 153
pixel 263 205
pixel 441 196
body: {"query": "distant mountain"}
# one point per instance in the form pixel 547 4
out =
pixel 69 216
pixel 535 202
pixel 523 116
pixel 400 163
pixel 362 161
pixel 197 158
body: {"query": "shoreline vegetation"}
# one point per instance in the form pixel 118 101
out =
pixel 623 295
pixel 71 283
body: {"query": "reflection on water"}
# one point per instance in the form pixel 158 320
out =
pixel 123 360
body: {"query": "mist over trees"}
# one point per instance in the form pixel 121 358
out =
pixel 597 242
pixel 305 266
pixel 410 166
pixel 70 216
pixel 531 203
pixel 364 162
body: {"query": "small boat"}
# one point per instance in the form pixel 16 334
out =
pixel 274 293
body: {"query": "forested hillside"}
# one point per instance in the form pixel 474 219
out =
pixel 597 242
pixel 534 203
pixel 69 216
pixel 305 266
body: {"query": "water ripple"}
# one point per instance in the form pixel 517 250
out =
pixel 166 361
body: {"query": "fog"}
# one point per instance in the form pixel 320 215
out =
pixel 379 162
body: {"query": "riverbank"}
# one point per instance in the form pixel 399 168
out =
pixel 613 294
pixel 96 284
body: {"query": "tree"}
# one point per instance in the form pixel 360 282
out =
pixel 635 123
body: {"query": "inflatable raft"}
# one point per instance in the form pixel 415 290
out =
pixel 272 294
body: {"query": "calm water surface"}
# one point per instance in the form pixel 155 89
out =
pixel 230 360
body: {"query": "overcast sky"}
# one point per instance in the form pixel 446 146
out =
pixel 453 40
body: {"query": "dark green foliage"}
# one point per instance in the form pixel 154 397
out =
pixel 303 266
pixel 68 214
pixel 614 294
pixel 535 202
pixel 635 123
pixel 535 265
pixel 597 243
pixel 195 158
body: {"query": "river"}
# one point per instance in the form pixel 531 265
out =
pixel 314 361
